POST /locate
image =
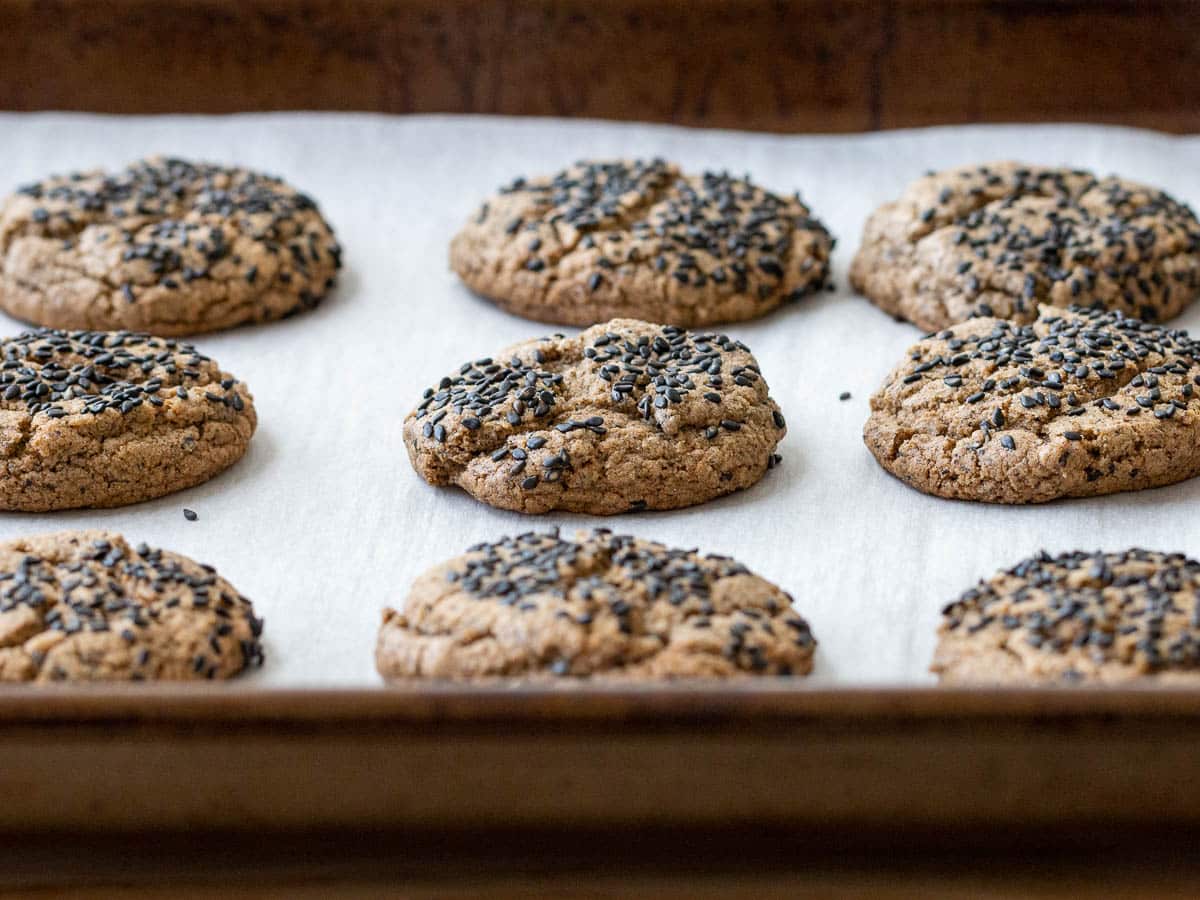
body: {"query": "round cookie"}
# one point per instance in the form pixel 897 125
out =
pixel 623 417
pixel 601 606
pixel 96 419
pixel 85 606
pixel 164 246
pixel 1080 403
pixel 604 240
pixel 1099 617
pixel 998 240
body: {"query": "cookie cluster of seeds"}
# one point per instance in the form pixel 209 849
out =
pixel 56 373
pixel 1063 237
pixel 1079 362
pixel 713 228
pixel 178 220
pixel 591 195
pixel 654 372
pixel 602 574
pixel 177 617
pixel 1139 608
pixel 514 391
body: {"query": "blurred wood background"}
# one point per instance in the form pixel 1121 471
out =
pixel 779 65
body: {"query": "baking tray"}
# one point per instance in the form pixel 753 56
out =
pixel 166 758
pixel 324 523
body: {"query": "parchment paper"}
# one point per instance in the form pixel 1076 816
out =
pixel 324 522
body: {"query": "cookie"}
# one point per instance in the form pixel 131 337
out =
pixel 602 606
pixel 999 240
pixel 605 240
pixel 625 416
pixel 1098 617
pixel 86 606
pixel 96 419
pixel 164 246
pixel 1079 403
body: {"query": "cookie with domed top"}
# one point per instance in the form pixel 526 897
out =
pixel 164 246
pixel 1077 618
pixel 625 416
pixel 108 418
pixel 641 239
pixel 89 606
pixel 599 606
pixel 998 240
pixel 1078 403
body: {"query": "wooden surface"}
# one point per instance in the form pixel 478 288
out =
pixel 680 866
pixel 681 792
pixel 783 65
pixel 454 759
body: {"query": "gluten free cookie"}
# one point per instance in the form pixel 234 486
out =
pixel 602 240
pixel 1091 617
pixel 1078 403
pixel 998 240
pixel 164 246
pixel 96 419
pixel 87 606
pixel 625 416
pixel 600 606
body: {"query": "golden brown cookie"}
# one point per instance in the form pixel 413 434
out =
pixel 86 606
pixel 604 240
pixel 163 246
pixel 1098 617
pixel 602 606
pixel 95 419
pixel 998 240
pixel 625 416
pixel 1079 403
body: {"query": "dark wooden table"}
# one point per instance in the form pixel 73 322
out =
pixel 778 65
pixel 748 791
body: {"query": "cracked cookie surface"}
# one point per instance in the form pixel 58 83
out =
pixel 601 606
pixel 99 419
pixel 625 416
pixel 1079 403
pixel 639 239
pixel 998 240
pixel 164 246
pixel 1077 617
pixel 86 606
